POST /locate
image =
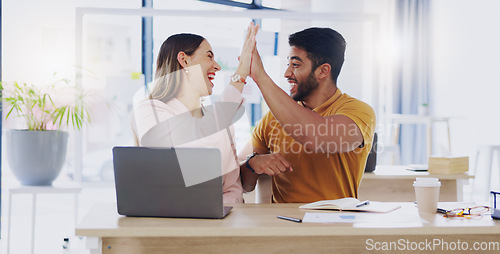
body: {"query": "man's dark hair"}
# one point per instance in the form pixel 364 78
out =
pixel 323 45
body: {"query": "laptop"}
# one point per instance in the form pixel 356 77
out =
pixel 150 182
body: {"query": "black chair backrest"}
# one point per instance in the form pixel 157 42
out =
pixel 371 162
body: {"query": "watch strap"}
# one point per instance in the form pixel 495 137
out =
pixel 247 164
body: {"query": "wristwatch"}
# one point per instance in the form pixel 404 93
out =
pixel 237 78
pixel 247 164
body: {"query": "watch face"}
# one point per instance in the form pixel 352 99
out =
pixel 235 78
pixel 251 155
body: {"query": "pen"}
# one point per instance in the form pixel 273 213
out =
pixel 289 218
pixel 441 210
pixel 363 203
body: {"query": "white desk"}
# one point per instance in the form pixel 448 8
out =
pixel 399 119
pixel 254 228
pixel 34 191
pixel 395 183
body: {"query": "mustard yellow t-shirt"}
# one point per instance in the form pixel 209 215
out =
pixel 318 176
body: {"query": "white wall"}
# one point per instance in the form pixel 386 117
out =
pixel 465 68
pixel 35 40
pixel 38 36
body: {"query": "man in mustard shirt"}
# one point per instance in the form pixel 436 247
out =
pixel 315 142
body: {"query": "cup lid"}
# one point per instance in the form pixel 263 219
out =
pixel 427 182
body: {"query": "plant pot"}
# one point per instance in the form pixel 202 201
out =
pixel 36 157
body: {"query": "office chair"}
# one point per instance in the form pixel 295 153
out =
pixel 371 161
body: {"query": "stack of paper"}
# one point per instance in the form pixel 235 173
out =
pixel 448 165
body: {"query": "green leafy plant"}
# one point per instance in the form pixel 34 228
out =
pixel 51 107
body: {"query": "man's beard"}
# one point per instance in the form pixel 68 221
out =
pixel 305 88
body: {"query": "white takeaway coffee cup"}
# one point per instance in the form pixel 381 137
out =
pixel 427 194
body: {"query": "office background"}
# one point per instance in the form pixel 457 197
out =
pixel 400 55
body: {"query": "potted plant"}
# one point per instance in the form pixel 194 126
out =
pixel 36 154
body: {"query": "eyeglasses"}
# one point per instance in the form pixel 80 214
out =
pixel 467 212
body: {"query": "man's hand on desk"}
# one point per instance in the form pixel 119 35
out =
pixel 270 164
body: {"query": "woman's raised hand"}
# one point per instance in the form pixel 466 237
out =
pixel 246 53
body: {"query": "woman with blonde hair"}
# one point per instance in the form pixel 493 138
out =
pixel 172 114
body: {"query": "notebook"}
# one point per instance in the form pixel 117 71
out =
pixel 150 182
pixel 352 204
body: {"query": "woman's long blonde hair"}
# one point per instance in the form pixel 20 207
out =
pixel 168 77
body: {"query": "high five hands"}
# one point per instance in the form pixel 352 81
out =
pixel 251 65
pixel 247 51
